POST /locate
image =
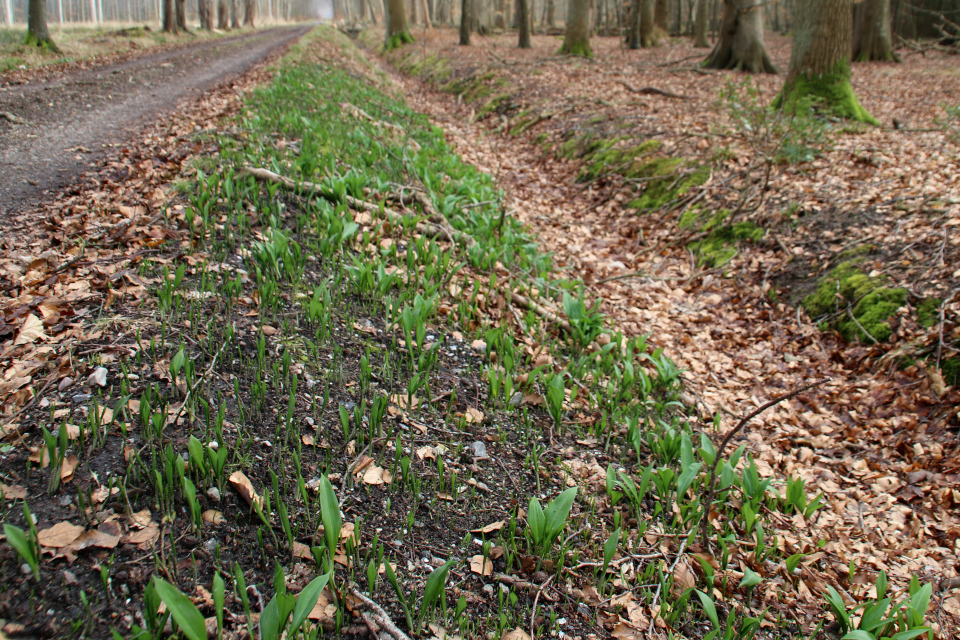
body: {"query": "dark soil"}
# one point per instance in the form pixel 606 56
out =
pixel 72 120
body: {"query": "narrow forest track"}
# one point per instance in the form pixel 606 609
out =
pixel 71 121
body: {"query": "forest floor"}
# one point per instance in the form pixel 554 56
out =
pixel 376 381
pixel 569 139
pixel 61 121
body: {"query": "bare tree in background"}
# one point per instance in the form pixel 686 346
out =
pixel 465 23
pixel 170 24
pixel 249 13
pixel 523 23
pixel 872 32
pixel 702 25
pixel 223 16
pixel 37 32
pixel 740 45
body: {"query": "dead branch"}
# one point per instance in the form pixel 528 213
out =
pixel 429 229
pixel 380 617
pixel 11 118
pixel 652 91
pixel 711 480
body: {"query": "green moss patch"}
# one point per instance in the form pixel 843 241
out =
pixel 928 313
pixel 671 182
pixel 950 369
pixel 830 92
pixel 721 244
pixel 609 159
pixel 873 304
pixel 701 219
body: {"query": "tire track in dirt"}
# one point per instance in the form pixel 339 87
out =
pixel 72 121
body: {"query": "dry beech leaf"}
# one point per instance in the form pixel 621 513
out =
pixel 244 487
pixel 375 475
pixel 212 516
pixel 473 416
pixel 69 466
pixel 59 535
pixel 30 331
pixel 40 456
pixel 302 551
pixel 308 440
pixel 92 538
pixel 141 518
pixel 490 528
pixel 12 492
pixel 516 634
pixel 481 566
pixel 143 537
pixel 268 330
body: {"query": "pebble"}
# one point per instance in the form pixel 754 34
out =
pixel 44 403
pixel 211 544
pixel 25 569
pixel 214 494
pixel 488 589
pixel 65 384
pixel 81 397
pixel 98 377
pixel 309 421
pixel 213 444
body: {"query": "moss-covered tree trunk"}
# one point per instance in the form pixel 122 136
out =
pixel 740 45
pixel 465 16
pixel 820 62
pixel 37 33
pixel 702 24
pixel 872 33
pixel 649 37
pixel 523 23
pixel 397 32
pixel 576 40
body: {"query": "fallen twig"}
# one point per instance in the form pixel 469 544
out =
pixel 431 229
pixel 652 91
pixel 381 617
pixel 656 596
pixel 711 480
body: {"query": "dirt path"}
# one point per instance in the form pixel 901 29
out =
pixel 71 121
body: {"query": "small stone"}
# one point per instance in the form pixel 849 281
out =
pixel 488 589
pixel 211 544
pixel 64 384
pixel 44 403
pixel 98 378
pixel 309 421
pixel 214 494
pixel 213 444
pixel 483 487
pixel 478 449
pixel 66 500
pixel 69 577
pixel 25 569
pixel 516 399
pixel 81 398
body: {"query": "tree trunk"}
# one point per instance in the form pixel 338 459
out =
pixel 633 24
pixel 170 24
pixel 223 17
pixel 740 45
pixel 181 15
pixel 703 23
pixel 203 13
pixel 872 38
pixel 820 62
pixel 234 15
pixel 551 14
pixel 661 14
pixel 576 40
pixel 37 32
pixel 648 29
pixel 465 22
pixel 523 23
pixel 249 13
pixel 397 32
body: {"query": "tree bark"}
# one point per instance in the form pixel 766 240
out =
pixel 551 14
pixel 740 45
pixel 465 10
pixel 648 28
pixel 249 13
pixel 661 14
pixel 170 24
pixel 702 24
pixel 223 16
pixel 819 74
pixel 576 40
pixel 523 23
pixel 37 32
pixel 872 37
pixel 181 12
pixel 397 32
pixel 633 24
